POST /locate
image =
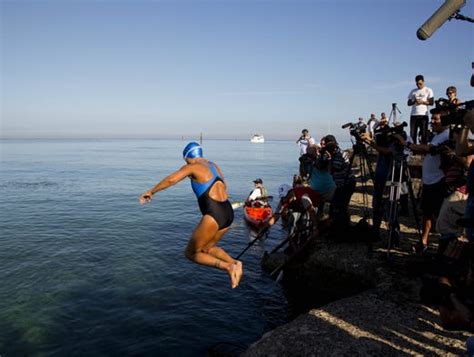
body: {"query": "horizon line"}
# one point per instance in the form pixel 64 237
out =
pixel 126 138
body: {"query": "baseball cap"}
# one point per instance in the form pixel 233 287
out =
pixel 259 180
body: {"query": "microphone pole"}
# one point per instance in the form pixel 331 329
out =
pixel 459 16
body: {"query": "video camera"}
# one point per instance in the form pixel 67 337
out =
pixel 387 136
pixel 389 132
pixel 444 148
pixel 398 129
pixel 355 129
pixel 452 114
pixel 323 159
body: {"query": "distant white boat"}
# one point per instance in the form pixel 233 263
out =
pixel 257 139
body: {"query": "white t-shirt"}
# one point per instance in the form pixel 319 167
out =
pixel 372 124
pixel 431 171
pixel 424 94
pixel 304 143
pixel 256 193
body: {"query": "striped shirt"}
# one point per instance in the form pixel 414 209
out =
pixel 340 168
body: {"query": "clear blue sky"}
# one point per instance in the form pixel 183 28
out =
pixel 225 68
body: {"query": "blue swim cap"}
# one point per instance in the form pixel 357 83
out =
pixel 192 151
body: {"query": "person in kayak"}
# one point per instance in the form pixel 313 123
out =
pixel 259 195
pixel 208 184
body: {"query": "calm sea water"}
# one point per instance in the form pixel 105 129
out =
pixel 86 270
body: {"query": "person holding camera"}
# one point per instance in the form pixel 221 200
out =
pixel 320 179
pixel 454 204
pixel 451 93
pixel 343 178
pixel 304 141
pixel 433 190
pixel 463 148
pixel 398 130
pixel 419 99
pixel 382 144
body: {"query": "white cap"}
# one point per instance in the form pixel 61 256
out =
pixel 283 190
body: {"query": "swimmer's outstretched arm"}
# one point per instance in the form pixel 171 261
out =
pixel 173 179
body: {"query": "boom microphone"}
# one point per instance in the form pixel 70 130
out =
pixel 441 15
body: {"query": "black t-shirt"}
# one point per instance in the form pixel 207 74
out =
pixel 381 137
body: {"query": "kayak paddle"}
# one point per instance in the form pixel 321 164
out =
pixel 258 237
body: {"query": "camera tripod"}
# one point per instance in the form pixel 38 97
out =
pixel 359 149
pixel 398 174
pixel 393 114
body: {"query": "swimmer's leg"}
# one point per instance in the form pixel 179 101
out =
pixel 197 249
pixel 220 253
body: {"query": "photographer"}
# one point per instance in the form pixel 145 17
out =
pixel 433 191
pixel 383 145
pixel 460 117
pixel 344 179
pixel 454 205
pixel 463 149
pixel 398 129
pixel 304 141
pixel 320 179
pixel 451 93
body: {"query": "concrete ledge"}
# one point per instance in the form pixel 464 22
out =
pixel 369 323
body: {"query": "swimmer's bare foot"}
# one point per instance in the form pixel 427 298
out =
pixel 240 270
pixel 232 271
pixel 235 272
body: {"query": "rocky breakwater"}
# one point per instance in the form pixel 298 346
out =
pixel 369 306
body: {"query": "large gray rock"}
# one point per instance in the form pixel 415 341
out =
pixel 369 323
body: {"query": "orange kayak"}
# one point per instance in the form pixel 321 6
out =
pixel 257 216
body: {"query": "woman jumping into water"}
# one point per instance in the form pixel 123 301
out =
pixel 208 185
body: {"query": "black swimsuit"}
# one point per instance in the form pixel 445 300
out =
pixel 221 211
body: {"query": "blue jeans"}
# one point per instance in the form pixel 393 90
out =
pixel 338 210
pixel 381 173
pixel 470 215
pixel 470 346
